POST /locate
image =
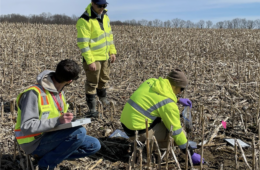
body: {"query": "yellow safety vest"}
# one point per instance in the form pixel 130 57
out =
pixel 95 39
pixel 47 110
pixel 154 98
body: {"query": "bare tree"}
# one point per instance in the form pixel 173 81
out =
pixel 209 24
pixel 182 23
pixel 243 23
pixel 157 23
pixel 235 23
pixel 167 24
pixel 176 22
pixel 133 22
pixel 220 24
pixel 150 23
pixel 201 24
pixel 229 25
pixel 257 24
pixel 250 24
pixel 143 22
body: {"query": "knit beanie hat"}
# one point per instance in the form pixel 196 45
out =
pixel 177 78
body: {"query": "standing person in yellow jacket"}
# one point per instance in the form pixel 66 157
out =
pixel 43 107
pixel 95 40
pixel 156 101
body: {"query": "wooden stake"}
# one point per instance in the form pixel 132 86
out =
pixel 141 160
pixel 168 146
pixel 159 153
pixel 129 162
pixel 236 163
pixel 14 149
pixel 243 154
pixel 12 108
pixel 216 130
pixel 202 143
pixel 147 144
pixel 2 111
pixel 113 110
pixel 80 110
pixel 176 160
pixel 97 163
pixel 186 158
pixel 254 154
pixel 0 155
pixel 259 143
pixel 135 145
pixel 257 114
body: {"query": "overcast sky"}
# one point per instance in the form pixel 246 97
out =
pixel 194 10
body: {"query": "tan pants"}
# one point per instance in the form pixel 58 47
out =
pixel 98 78
pixel 160 132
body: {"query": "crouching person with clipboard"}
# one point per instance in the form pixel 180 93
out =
pixel 41 109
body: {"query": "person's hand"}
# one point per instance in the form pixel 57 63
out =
pixel 66 118
pixel 92 67
pixel 113 58
pixel 196 159
pixel 185 102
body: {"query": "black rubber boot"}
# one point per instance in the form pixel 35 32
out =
pixel 102 95
pixel 92 103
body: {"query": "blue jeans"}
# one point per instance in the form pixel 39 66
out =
pixel 65 144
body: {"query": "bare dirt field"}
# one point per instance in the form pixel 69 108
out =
pixel 222 67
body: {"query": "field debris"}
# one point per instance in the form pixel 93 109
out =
pixel 222 66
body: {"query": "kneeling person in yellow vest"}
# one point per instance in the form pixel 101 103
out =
pixel 156 101
pixel 43 107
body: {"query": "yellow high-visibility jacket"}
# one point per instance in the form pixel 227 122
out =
pixel 46 107
pixel 154 98
pixel 95 38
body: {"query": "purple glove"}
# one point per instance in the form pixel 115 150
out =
pixel 185 102
pixel 196 159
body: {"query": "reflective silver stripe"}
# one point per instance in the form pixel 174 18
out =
pixel 18 133
pixel 98 38
pixel 83 50
pixel 43 94
pixel 108 34
pixel 45 115
pixel 177 132
pixel 160 104
pixel 148 112
pixel 183 146
pixel 99 46
pixel 111 42
pixel 83 39
pixel 141 110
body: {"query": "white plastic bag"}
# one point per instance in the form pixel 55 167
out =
pixel 186 114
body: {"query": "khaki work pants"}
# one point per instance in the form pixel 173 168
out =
pixel 160 132
pixel 98 78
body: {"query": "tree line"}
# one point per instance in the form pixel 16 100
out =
pixel 47 18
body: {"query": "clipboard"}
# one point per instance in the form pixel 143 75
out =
pixel 75 123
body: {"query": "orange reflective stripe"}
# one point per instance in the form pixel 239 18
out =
pixel 40 93
pixel 22 137
pixel 17 130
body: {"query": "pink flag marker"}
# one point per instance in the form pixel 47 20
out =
pixel 224 124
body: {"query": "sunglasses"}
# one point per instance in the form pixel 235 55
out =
pixel 102 6
pixel 182 89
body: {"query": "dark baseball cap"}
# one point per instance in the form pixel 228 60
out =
pixel 100 2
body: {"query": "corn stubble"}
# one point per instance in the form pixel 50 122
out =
pixel 222 67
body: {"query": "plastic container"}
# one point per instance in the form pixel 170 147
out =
pixel 192 144
pixel 118 133
pixel 186 114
